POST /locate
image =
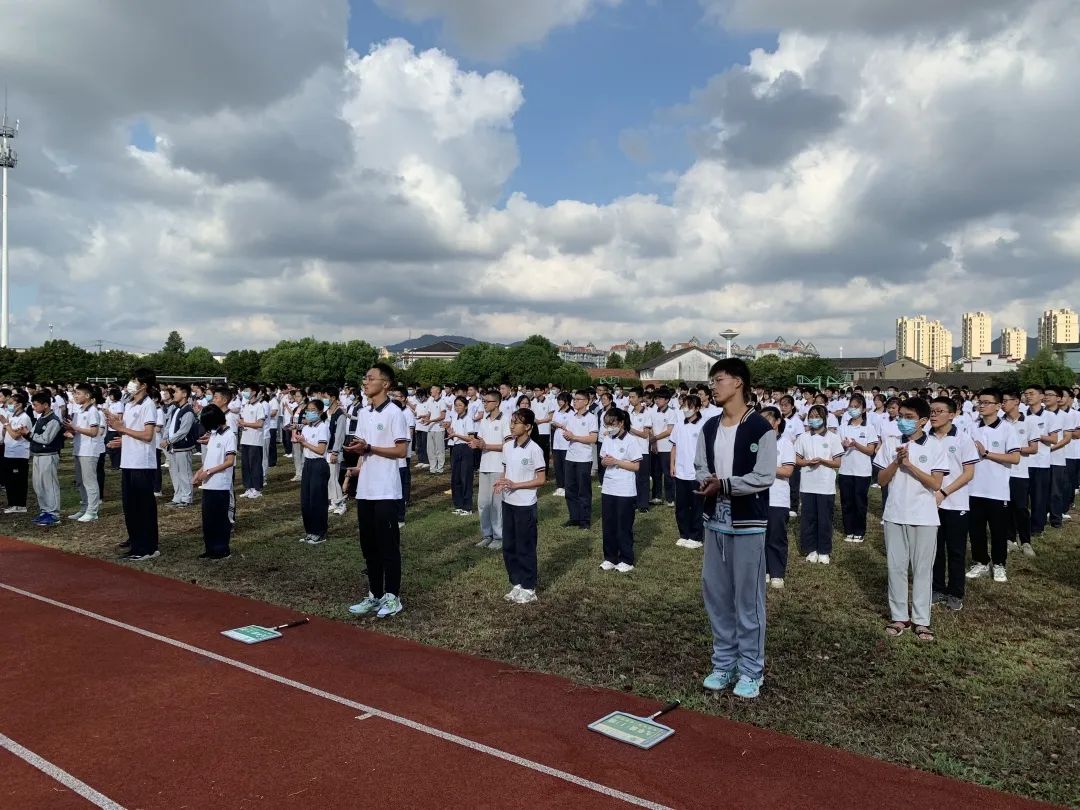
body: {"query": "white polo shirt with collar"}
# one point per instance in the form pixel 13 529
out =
pixel 992 477
pixel 663 420
pixel 582 425
pixel 493 431
pixel 854 462
pixel 910 502
pixel 618 481
pixel 1022 427
pixel 960 452
pixel 522 463
pixel 378 479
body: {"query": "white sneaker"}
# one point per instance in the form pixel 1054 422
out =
pixel 157 494
pixel 624 568
pixel 693 544
pixel 15 510
pixel 777 582
pixel 977 571
pixel 401 524
pixel 559 493
pixel 875 486
pixel 87 518
pixel 245 494
pixel 812 557
pixel 767 578
pixel 76 516
pixel 255 495
pixel 512 596
pixel 391 606
pixel 848 538
pixel 681 542
pixel 525 596
pixel 607 566
pixel 792 513
pixel 858 538
pixel 367 605
pixel 999 574
pixel 288 455
pixel 1066 516
pixel 294 479
pixel 823 559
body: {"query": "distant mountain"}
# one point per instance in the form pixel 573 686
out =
pixel 427 340
pixel 995 346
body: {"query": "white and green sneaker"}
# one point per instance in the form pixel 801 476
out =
pixel 512 595
pixel 720 680
pixel 368 604
pixel 391 606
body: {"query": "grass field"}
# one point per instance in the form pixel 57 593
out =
pixel 994 700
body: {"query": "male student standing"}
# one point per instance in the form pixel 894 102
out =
pixel 181 436
pixel 1039 463
pixel 46 441
pixel 581 431
pixel 735 465
pixel 641 430
pixel 382 439
pixel 493 432
pixel 85 426
pixel 1072 450
pixel 665 418
pixel 1019 526
pixel 999 449
pixel 435 417
pixel 1058 421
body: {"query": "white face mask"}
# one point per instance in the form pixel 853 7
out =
pixel 133 388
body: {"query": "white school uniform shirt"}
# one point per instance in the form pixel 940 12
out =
pixel 522 464
pixel 710 410
pixel 581 426
pixel 662 420
pixel 410 426
pixel 641 421
pixel 780 490
pixel 992 477
pixel 221 445
pixel 463 425
pixel 1023 428
pixel 558 422
pixel 475 409
pixel 1072 449
pixel 316 434
pixel 508 406
pixel 910 503
pixel 820 481
pixel 493 431
pixel 794 427
pixel 251 412
pixel 420 409
pixel 273 416
pixel 135 454
pixel 1039 427
pixel 960 452
pixel 87 446
pixel 18 448
pixel 685 440
pixel 433 408
pixel 618 481
pixel 384 426
pixel 856 463
pixel 541 411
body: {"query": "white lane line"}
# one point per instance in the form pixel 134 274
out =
pixel 364 716
pixel 59 774
pixel 447 736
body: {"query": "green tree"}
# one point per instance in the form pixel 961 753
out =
pixel 174 344
pixel 481 363
pixel 634 359
pixel 570 376
pixel 54 360
pixel 771 372
pixel 426 373
pixel 241 365
pixel 532 362
pixel 113 363
pixel 614 360
pixel 1045 368
pixel 199 362
pixel 652 349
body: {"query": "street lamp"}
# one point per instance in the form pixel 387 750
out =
pixel 729 335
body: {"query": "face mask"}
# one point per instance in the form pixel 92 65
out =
pixel 311 416
pixel 206 400
pixel 854 413
pixel 10 408
pixel 245 395
pixel 133 388
pixel 907 426
pixel 815 423
pixel 326 402
pixel 411 392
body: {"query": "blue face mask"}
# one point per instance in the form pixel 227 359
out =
pixel 907 426
pixel 815 423
pixel 245 395
pixel 854 413
pixel 326 402
pixel 311 416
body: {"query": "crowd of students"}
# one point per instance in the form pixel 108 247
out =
pixel 956 468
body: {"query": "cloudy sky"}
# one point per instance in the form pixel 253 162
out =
pixel 586 169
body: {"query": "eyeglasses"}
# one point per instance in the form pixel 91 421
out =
pixel 986 403
pixel 375 379
pixel 939 412
pixel 491 401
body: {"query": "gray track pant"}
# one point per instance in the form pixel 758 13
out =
pixel 47 483
pixel 914 547
pixel 180 475
pixel 436 450
pixel 490 506
pixel 733 586
pixel 87 483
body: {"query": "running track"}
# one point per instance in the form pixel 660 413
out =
pixel 117 690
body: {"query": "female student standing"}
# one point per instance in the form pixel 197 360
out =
pixel 818 453
pixel 559 444
pixel 776 538
pixel 461 431
pixel 312 439
pixel 17 428
pixel 523 463
pixel 137 441
pixel 860 443
pixel 794 427
pixel 621 456
pixel 688 503
pixel 252 420
pixel 215 478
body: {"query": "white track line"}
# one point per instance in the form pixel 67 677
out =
pixel 59 774
pixel 447 736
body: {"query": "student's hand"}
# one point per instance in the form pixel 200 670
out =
pixel 204 439
pixel 939 496
pixel 114 444
pixel 567 435
pixel 333 458
pixel 847 444
pixel 114 420
pixel 68 434
pixel 709 487
pixel 352 448
pixel 982 450
pixel 609 461
pixel 199 477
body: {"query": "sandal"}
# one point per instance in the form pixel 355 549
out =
pixel 922 633
pixel 895 629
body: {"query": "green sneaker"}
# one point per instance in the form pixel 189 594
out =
pixel 720 680
pixel 367 605
pixel 391 606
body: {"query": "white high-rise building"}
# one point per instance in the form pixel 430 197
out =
pixel 1014 343
pixel 1058 326
pixel 925 341
pixel 975 340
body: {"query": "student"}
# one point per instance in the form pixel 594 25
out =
pixel 17 426
pixel 296 423
pixel 860 443
pixel 215 478
pixel 523 465
pixel 581 432
pixel 559 444
pixel 85 426
pixel 952 502
pixel 270 431
pixel 312 440
pixel 251 423
pixel 492 434
pixel 914 469
pixel 641 423
pixel 337 423
pixel 1059 424
pixel 665 418
pixel 420 409
pixel 542 411
pixel 1039 463
pixel 435 415
pixel 818 452
pixel 620 456
pixel 736 465
pixel 459 435
pixel 115 406
pixel 382 440
pixel 688 503
pixel 999 449
pixel 138 466
pixel 1072 454
pixel 776 538
pixel 1019 519
pixel 181 438
pixel 398 396
pixel 46 441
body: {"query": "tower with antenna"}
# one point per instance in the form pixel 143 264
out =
pixel 8 159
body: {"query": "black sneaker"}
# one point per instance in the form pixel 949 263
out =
pixel 133 557
pixel 570 524
pixel 124 547
pixel 643 510
pixel 938 598
pixel 206 555
pixel 954 603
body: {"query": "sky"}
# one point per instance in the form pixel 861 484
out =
pixel 591 170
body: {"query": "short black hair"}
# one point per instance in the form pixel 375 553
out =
pixel 617 415
pixel 211 418
pixel 946 401
pixel 920 406
pixel 42 398
pixel 733 367
pixel 991 392
pixel 525 416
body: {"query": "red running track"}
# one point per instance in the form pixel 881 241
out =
pixel 146 703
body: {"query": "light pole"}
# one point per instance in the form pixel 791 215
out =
pixel 729 335
pixel 8 159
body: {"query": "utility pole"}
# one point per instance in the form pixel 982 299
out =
pixel 8 160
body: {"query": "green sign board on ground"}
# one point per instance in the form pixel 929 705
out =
pixel 252 634
pixel 642 732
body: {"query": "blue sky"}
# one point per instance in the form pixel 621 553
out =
pixel 585 84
